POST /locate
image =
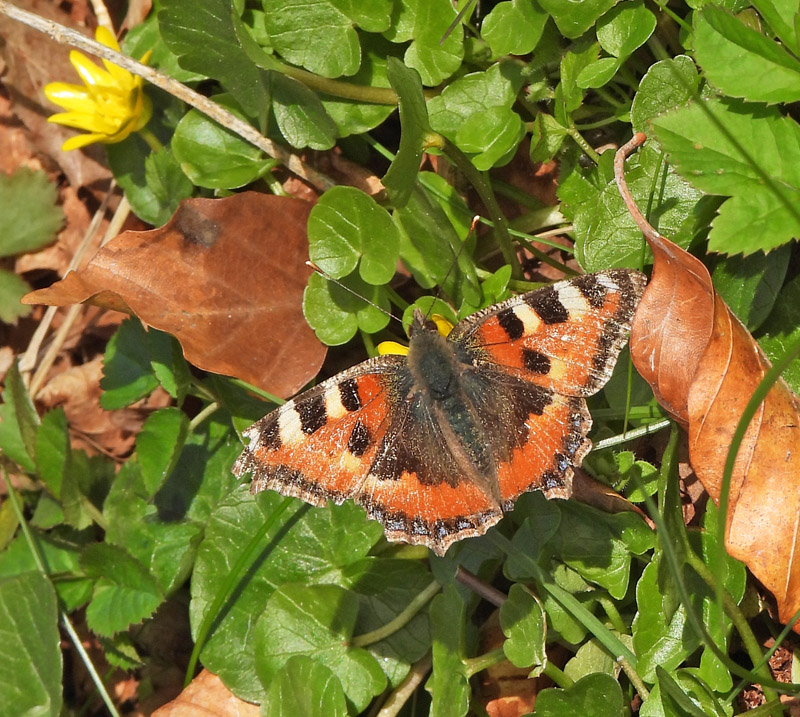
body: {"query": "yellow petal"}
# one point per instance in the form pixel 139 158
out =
pixel 81 140
pixel 443 326
pixel 392 347
pixel 145 113
pixel 91 74
pixel 91 122
pixel 70 97
pixel 105 37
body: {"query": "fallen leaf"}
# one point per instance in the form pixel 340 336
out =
pixel 704 366
pixel 206 696
pixel 224 276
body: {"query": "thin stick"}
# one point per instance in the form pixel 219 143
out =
pixel 66 36
pixel 406 688
pixel 619 175
pixel 487 592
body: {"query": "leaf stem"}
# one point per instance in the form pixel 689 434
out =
pixel 474 665
pixel 152 141
pixel 202 415
pixel 561 678
pixel 583 144
pixel 401 620
pixel 484 189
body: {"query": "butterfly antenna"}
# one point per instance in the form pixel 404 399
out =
pixel 472 226
pixel 461 15
pixel 325 274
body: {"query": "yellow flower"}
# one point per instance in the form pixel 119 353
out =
pixel 110 106
pixel 392 347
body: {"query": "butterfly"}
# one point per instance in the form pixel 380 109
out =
pixel 438 444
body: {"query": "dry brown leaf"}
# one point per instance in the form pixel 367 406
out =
pixel 206 696
pixel 704 366
pixel 225 276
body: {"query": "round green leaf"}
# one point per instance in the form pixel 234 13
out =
pixel 514 28
pixel 596 695
pixel 598 73
pixel 214 157
pixel 493 134
pixel 625 27
pixel 304 687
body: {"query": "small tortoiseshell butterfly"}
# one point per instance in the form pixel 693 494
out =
pixel 436 445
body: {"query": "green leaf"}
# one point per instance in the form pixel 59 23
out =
pixel 514 27
pixel 59 549
pixel 121 652
pixel 625 28
pixel 385 587
pixel 167 182
pixel 159 445
pixel 300 115
pixel 203 34
pixel 782 329
pixel 493 136
pixel 665 85
pixel 124 592
pixel 474 94
pixel 304 687
pixel 307 546
pixel 595 695
pixel 449 684
pixel 606 235
pixel 426 23
pixel 52 449
pixel 781 16
pixel 336 313
pixel 168 363
pixel 30 217
pixel 591 658
pixel 741 62
pixel 759 215
pixel 598 73
pixel 12 289
pixel 547 136
pixel 689 696
pixel 523 622
pixel 347 228
pixel 213 156
pixel 573 19
pixel 569 95
pixel 30 656
pixel 316 35
pixel 401 177
pixel 750 286
pixel 128 375
pixel 20 421
pixel 316 621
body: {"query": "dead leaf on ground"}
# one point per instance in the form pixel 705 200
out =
pixel 704 366
pixel 206 696
pixel 225 276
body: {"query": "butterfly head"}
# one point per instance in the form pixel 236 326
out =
pixel 421 323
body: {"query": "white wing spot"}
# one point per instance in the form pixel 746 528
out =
pixel 333 403
pixel 529 318
pixel 573 300
pixel 290 429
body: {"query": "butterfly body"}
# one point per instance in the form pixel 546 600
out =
pixel 438 444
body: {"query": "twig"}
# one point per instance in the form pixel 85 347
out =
pixel 66 36
pixel 406 688
pixel 478 586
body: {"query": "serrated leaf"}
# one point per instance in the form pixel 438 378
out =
pixel 666 84
pixel 750 286
pixel 316 621
pixel 203 34
pixel 448 685
pixel 782 329
pixel 121 652
pixel 347 228
pixel 212 156
pixel 20 420
pixel 30 217
pixel 300 115
pixel 12 289
pixel 573 19
pixel 306 547
pixel 760 215
pixel 523 621
pixel 124 592
pixel 514 27
pixel 401 176
pixel 547 136
pixel 433 52
pixel 30 652
pixel 128 375
pixel 52 449
pixel 598 695
pixel 159 445
pixel 625 27
pixel 304 687
pixel 741 62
